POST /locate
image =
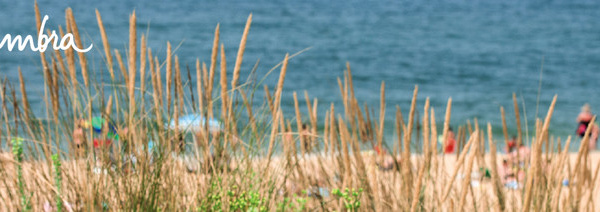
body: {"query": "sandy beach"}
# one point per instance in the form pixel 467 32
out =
pixel 321 171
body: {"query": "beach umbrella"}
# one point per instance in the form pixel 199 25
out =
pixel 97 124
pixel 196 122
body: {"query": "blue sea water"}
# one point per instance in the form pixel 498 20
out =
pixel 477 52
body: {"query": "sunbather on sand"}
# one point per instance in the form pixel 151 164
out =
pixel 388 160
pixel 509 178
pixel 506 171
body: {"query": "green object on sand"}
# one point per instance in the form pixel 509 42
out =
pixel 486 172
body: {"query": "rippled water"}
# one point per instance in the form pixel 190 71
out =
pixel 478 53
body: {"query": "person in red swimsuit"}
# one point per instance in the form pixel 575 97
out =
pixel 450 142
pixel 583 119
pixel 511 145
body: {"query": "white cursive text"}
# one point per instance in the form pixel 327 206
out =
pixel 43 40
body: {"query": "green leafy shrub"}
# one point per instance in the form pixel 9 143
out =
pixel 58 181
pixel 17 149
pixel 351 198
pixel 294 204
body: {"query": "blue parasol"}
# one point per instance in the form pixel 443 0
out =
pixel 195 122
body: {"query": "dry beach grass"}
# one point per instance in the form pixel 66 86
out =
pixel 255 163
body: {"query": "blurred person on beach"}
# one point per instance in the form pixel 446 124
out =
pixel 511 145
pixel 387 162
pixel 523 154
pixel 517 159
pixel 511 151
pixel 307 137
pixel 288 137
pixel 79 137
pixel 508 175
pixel 583 119
pixel 450 142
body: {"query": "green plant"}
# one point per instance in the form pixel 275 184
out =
pixel 351 198
pixel 17 144
pixel 245 201
pixel 212 200
pixel 57 180
pixel 289 205
pixel 301 204
pixel 239 200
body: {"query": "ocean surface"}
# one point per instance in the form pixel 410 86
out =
pixel 477 52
